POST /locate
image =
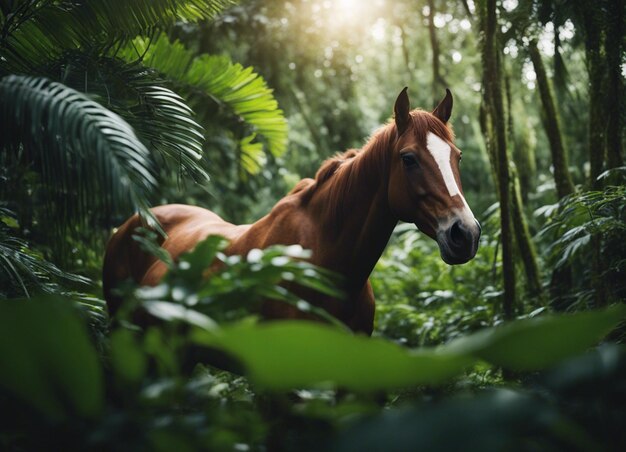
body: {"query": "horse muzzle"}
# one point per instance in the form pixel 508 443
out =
pixel 458 243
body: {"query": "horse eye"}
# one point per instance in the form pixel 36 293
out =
pixel 409 160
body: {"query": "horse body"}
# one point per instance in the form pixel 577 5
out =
pixel 345 216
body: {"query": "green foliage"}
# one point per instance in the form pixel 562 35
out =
pixel 549 415
pixel 280 356
pixel 217 78
pixel 423 301
pixel 201 290
pixel 579 217
pixel 47 359
pixel 192 90
pixel 40 30
pixel 582 227
pixel 157 393
pixel 75 142
pixel 90 138
pixel 22 269
pixel 160 117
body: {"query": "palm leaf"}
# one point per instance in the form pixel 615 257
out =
pixel 40 30
pixel 159 116
pixel 89 158
pixel 21 268
pixel 252 157
pixel 240 89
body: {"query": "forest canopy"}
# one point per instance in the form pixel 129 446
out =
pixel 110 108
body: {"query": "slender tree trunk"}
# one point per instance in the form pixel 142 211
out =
pixel 551 123
pixel 524 242
pixel 439 83
pixel 558 66
pixel 525 245
pixel 616 28
pixel 596 69
pixel 495 118
pixel 405 47
pixel 593 23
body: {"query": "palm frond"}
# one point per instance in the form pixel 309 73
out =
pixel 159 116
pixel 21 268
pixel 252 157
pixel 89 158
pixel 240 89
pixel 39 30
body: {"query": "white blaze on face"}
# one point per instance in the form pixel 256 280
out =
pixel 440 150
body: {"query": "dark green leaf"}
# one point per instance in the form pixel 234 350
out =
pixel 46 358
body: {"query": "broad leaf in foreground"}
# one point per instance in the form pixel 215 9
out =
pixel 286 355
pixel 47 360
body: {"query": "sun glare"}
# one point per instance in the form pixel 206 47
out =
pixel 348 5
pixel 378 30
pixel 350 12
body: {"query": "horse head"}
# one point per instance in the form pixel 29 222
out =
pixel 424 180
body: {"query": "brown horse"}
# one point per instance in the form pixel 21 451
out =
pixel 408 171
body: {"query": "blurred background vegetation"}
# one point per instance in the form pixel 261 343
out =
pixel 111 107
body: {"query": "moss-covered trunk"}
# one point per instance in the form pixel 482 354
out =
pixel 439 83
pixel 525 245
pixel 616 27
pixel 523 239
pixel 495 124
pixel 551 123
pixel 591 20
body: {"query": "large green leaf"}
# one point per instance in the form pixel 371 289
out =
pixel 47 360
pixel 286 355
pixel 82 150
pixel 241 89
pixel 533 344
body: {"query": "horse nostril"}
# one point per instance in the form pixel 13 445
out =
pixel 457 233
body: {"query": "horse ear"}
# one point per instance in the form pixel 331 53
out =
pixel 444 109
pixel 401 111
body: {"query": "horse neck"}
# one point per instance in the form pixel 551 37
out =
pixel 352 212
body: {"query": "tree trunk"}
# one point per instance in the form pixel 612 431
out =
pixel 405 47
pixel 551 123
pixel 560 78
pixel 525 245
pixel 495 118
pixel 519 142
pixel 597 99
pixel 524 242
pixel 439 83
pixel 614 51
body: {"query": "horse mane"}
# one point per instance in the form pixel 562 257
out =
pixel 324 173
pixel 302 185
pixel 373 156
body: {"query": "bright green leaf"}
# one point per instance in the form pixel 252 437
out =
pixel 286 355
pixel 537 343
